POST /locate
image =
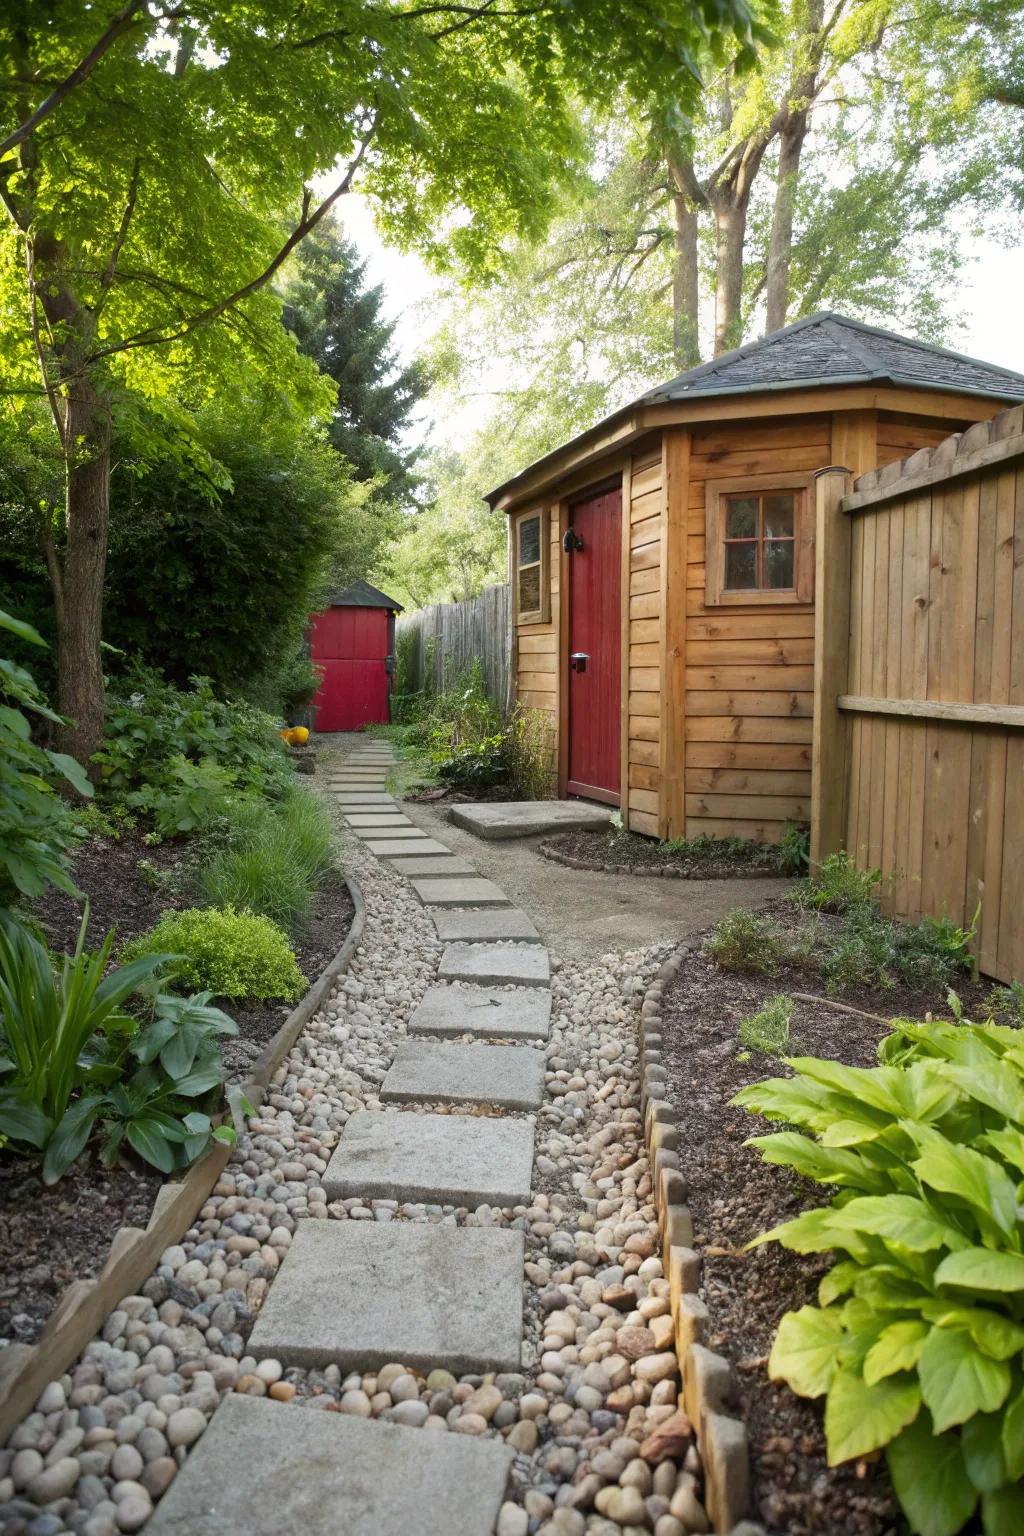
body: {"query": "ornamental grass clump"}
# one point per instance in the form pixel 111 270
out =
pixel 224 952
pixel 274 858
pixel 744 941
pixel 917 1344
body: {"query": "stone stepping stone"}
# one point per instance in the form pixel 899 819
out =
pixel 460 892
pixel 440 864
pixel 440 1159
pixel 359 1294
pixel 497 965
pixel 473 927
pixel 433 1071
pixel 353 798
pixel 379 819
pixel 413 844
pixel 528 818
pixel 266 1469
pixel 484 1012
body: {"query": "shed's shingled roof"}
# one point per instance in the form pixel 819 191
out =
pixel 829 349
pixel 361 595
pixel 822 349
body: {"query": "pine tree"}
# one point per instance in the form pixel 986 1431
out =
pixel 337 321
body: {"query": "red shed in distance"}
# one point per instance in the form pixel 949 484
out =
pixel 353 644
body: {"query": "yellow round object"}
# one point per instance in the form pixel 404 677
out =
pixel 299 735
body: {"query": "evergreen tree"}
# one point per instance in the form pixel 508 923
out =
pixel 337 321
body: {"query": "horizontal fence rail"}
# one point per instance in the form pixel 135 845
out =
pixel 919 685
pixel 444 639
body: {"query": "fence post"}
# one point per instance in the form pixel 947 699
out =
pixel 832 572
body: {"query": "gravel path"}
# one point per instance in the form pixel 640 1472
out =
pixel 591 1413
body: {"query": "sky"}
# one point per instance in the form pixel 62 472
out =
pixel 993 328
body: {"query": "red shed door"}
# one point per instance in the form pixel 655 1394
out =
pixel 595 645
pixel 350 646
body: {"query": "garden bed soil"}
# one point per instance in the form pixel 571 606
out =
pixel 734 1197
pixel 626 853
pixel 51 1236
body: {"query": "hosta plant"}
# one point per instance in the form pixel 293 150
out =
pixel 917 1344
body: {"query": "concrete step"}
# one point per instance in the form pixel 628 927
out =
pixel 274 1469
pixel 359 1294
pixel 440 864
pixel 352 798
pixel 497 965
pixel 388 843
pixel 483 1011
pixel 529 818
pixel 430 1071
pixel 465 925
pixel 467 891
pixel 438 1159
pixel 394 821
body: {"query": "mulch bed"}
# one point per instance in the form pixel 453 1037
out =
pixel 625 853
pixel 51 1236
pixel 734 1197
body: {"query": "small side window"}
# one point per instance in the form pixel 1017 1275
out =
pixel 760 542
pixel 530 567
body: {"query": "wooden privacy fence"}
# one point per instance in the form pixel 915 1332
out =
pixel 446 637
pixel 918 755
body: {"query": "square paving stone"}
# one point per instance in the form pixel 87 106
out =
pixel 269 1469
pixel 483 1011
pixel 379 819
pixel 346 797
pixel 497 965
pixel 529 818
pixel 460 892
pixel 441 1159
pixel 412 844
pixel 431 1071
pixel 474 927
pixel 440 864
pixel 361 1293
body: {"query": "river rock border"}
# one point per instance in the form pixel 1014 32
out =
pixel 599 867
pixel 709 1390
pixel 26 1369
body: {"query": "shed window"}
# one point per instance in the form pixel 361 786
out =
pixel 759 542
pixel 530 558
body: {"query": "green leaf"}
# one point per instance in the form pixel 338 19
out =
pixel 898 1348
pixel 860 1418
pixel 21 629
pixel 73 771
pixel 958 1380
pixel 1013 1436
pixel 805 1351
pixel 150 1143
pixel 24 1122
pixel 70 1136
pixel 825 1165
pixel 198 1082
pixel 838 1281
pixel 978 1269
pixel 968 1175
pixel 983 1452
pixel 900 1219
pixel 997 1335
pixel 930 1478
pixel 1002 1513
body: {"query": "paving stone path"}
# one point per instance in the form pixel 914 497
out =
pixel 438 1230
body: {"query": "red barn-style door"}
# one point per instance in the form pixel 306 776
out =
pixel 595 645
pixel 350 645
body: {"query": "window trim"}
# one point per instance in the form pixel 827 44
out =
pixel 716 594
pixel 542 614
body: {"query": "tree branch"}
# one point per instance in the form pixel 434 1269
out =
pixel 308 221
pixel 120 24
pixel 110 271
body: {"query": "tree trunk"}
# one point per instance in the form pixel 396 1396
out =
pixel 780 241
pixel 730 232
pixel 79 603
pixel 685 285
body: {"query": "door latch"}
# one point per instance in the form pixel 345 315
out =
pixel 578 661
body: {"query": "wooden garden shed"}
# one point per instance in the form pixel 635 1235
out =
pixel 353 644
pixel 663 567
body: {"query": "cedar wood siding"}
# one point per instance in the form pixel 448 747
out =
pixel 642 727
pixel 536 646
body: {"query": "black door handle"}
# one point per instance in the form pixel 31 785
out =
pixel 578 661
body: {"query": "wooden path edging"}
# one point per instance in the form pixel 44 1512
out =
pixel 25 1369
pixel 709 1390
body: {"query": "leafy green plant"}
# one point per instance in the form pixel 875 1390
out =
pixel 870 950
pixel 528 754
pixel 228 953
pixel 745 941
pixel 917 1343
pixel 793 850
pixel 838 885
pixel 1007 1003
pixel 36 826
pixel 190 797
pixel 274 859
pixel 767 1030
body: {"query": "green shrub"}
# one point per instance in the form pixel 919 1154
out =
pixel 870 950
pixel 227 953
pixel 917 1343
pixel 180 755
pixel 76 1063
pixel 36 826
pixel 793 851
pixel 528 754
pixel 768 1029
pixel 1007 1003
pixel 838 885
pixel 274 859
pixel 744 941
